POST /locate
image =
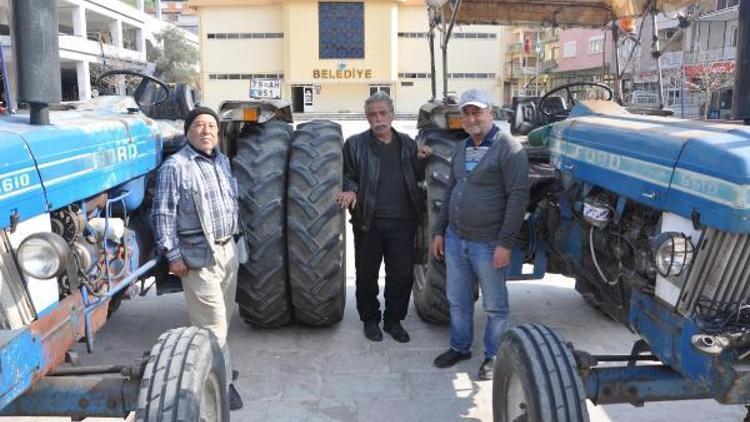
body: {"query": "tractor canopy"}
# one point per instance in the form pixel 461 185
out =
pixel 562 13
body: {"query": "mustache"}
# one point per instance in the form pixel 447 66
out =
pixel 380 126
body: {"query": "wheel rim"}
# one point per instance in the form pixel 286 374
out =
pixel 515 401
pixel 210 410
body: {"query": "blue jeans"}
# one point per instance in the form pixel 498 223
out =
pixel 468 262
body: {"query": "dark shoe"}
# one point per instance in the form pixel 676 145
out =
pixel 372 331
pixel 396 331
pixel 450 358
pixel 487 369
pixel 235 402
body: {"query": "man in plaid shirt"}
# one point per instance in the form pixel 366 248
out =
pixel 195 223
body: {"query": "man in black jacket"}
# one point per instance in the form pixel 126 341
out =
pixel 381 170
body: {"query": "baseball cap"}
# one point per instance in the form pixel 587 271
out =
pixel 475 97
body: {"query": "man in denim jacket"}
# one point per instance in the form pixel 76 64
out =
pixel 195 223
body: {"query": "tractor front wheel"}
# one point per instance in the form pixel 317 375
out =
pixel 184 380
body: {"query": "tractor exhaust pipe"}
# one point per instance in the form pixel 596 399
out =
pixel 35 41
pixel 741 94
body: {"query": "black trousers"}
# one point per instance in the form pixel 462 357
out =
pixel 392 239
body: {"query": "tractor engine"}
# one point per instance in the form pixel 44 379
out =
pixel 101 250
pixel 618 245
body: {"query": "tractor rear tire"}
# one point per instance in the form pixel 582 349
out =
pixel 430 298
pixel 315 224
pixel 185 379
pixel 536 378
pixel 261 170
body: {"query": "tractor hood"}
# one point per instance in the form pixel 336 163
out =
pixel 80 154
pixel 696 169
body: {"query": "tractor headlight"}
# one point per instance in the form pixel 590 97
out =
pixel 43 255
pixel 672 253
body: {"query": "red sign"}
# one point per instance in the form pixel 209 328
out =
pixel 693 70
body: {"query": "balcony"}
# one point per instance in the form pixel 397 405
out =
pixel 711 55
pixel 519 71
pixel 515 47
pixel 548 65
pixel 671 60
pixel 550 35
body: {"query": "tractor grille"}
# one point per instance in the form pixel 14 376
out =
pixel 720 274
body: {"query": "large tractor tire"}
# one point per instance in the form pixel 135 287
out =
pixel 536 378
pixel 315 224
pixel 429 274
pixel 184 379
pixel 261 170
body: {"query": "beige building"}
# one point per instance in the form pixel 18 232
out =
pixel 328 56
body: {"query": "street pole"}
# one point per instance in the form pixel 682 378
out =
pixel 10 102
pixel 682 85
pixel 536 82
pixel 656 53
pixel 741 95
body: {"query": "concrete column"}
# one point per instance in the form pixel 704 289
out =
pixel 140 41
pixel 140 5
pixel 157 6
pixel 115 30
pixel 79 21
pixel 84 80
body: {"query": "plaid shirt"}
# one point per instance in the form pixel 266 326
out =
pixel 220 189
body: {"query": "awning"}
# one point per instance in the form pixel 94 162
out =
pixel 563 13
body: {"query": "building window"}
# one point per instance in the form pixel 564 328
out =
pixel 569 49
pixel 243 35
pixel 245 76
pixel 380 88
pixel 341 29
pixel 596 44
pixel 477 35
pixel 465 35
pixel 414 75
pixel 724 4
pixel 471 76
pixel 407 83
pixel 733 37
pixel 412 35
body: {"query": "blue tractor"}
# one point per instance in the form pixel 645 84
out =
pixel 649 214
pixel 75 240
pixel 75 232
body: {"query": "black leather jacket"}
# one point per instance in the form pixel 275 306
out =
pixel 361 171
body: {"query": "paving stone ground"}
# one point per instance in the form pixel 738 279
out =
pixel 308 374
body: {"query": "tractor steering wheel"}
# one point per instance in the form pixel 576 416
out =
pixel 559 113
pixel 142 90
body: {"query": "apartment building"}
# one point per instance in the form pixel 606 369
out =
pixel 94 35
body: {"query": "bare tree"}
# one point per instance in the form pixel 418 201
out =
pixel 708 78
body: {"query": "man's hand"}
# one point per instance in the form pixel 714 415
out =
pixel 178 267
pixel 347 200
pixel 424 152
pixel 501 258
pixel 438 247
